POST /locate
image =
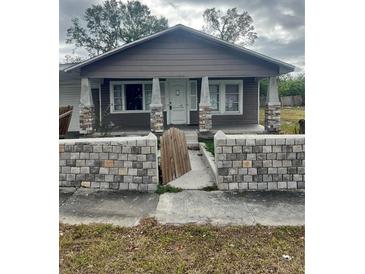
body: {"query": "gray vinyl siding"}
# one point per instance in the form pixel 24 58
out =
pixel 249 107
pixel 179 54
pixel 69 94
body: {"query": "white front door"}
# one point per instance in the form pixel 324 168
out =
pixel 177 102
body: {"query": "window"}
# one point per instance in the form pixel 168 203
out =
pixel 232 97
pixel 133 96
pixel 193 95
pixel 214 96
pixel 118 99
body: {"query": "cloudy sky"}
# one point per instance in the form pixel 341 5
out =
pixel 279 23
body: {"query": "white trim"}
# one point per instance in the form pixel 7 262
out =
pixel 196 95
pixel 222 96
pixel 258 101
pixel 129 82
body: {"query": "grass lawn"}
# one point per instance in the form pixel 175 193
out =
pixel 289 119
pixel 153 248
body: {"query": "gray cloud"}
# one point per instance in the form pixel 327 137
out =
pixel 279 23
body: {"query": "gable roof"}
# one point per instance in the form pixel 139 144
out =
pixel 285 66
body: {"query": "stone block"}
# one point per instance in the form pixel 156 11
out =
pixel 247 164
pixel 282 185
pixel 75 170
pixel 241 142
pixel 237 149
pixel 282 170
pixel 85 169
pixel 151 187
pixel 242 171
pixel 132 171
pixel 123 186
pixel 297 177
pixel 233 186
pixel 301 170
pixel 128 164
pixel 104 185
pixel 247 178
pixel 70 177
pixel 103 156
pixel 289 141
pixel 99 177
pixel 98 148
pixel 252 171
pixel 251 156
pixel 272 170
pixel 227 149
pixel 292 185
pixel 252 186
pixel 132 157
pixel 271 156
pixel 133 186
pixel 66 169
pixel 242 186
pixel 262 186
pixel 266 149
pixel 276 149
pixel 250 142
pixel 95 184
pixel 107 163
pixel 301 185
pixel 267 163
pixel 86 184
pixel 74 155
pixel 145 150
pixel 230 142
pixel 280 141
pixel 272 185
pixel 104 170
pixel 236 164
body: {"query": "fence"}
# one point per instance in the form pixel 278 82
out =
pixel 259 162
pixel 287 101
pixel 126 163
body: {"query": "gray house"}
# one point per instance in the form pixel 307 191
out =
pixel 179 76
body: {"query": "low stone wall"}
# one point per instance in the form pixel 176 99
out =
pixel 260 162
pixel 126 163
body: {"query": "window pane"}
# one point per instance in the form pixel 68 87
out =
pixel 133 96
pixel 193 96
pixel 232 97
pixel 147 99
pixel 214 96
pixel 117 90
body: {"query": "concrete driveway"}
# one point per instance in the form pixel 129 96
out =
pixel 189 206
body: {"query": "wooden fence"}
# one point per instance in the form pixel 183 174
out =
pixel 287 101
pixel 174 156
pixel 65 114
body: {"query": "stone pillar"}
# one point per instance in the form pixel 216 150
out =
pixel 272 107
pixel 205 108
pixel 156 116
pixel 87 112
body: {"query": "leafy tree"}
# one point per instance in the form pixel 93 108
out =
pixel 288 85
pixel 231 26
pixel 111 24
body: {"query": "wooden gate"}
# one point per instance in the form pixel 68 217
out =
pixel 174 156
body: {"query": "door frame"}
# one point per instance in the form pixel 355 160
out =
pixel 169 84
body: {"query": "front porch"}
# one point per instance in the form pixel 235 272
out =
pixel 203 105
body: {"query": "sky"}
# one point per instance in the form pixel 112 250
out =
pixel 279 23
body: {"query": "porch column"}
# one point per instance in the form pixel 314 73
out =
pixel 156 118
pixel 205 108
pixel 87 112
pixel 272 107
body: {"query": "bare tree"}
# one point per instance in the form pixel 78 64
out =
pixel 230 26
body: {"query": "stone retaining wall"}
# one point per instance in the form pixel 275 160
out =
pixel 127 163
pixel 260 162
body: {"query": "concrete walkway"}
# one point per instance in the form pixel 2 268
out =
pixel 198 177
pixel 190 206
pixel 123 208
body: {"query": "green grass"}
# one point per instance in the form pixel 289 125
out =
pixel 289 119
pixel 154 248
pixel 161 189
pixel 209 145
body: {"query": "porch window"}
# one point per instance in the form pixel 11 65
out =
pixel 193 95
pixel 118 99
pixel 232 97
pixel 133 97
pixel 214 97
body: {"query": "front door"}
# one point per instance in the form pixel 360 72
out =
pixel 177 102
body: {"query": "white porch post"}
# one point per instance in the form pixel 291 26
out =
pixel 205 108
pixel 156 116
pixel 87 114
pixel 272 107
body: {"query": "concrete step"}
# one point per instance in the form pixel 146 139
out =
pixel 191 138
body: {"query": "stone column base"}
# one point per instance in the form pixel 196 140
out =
pixel 87 119
pixel 272 118
pixel 156 119
pixel 205 118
